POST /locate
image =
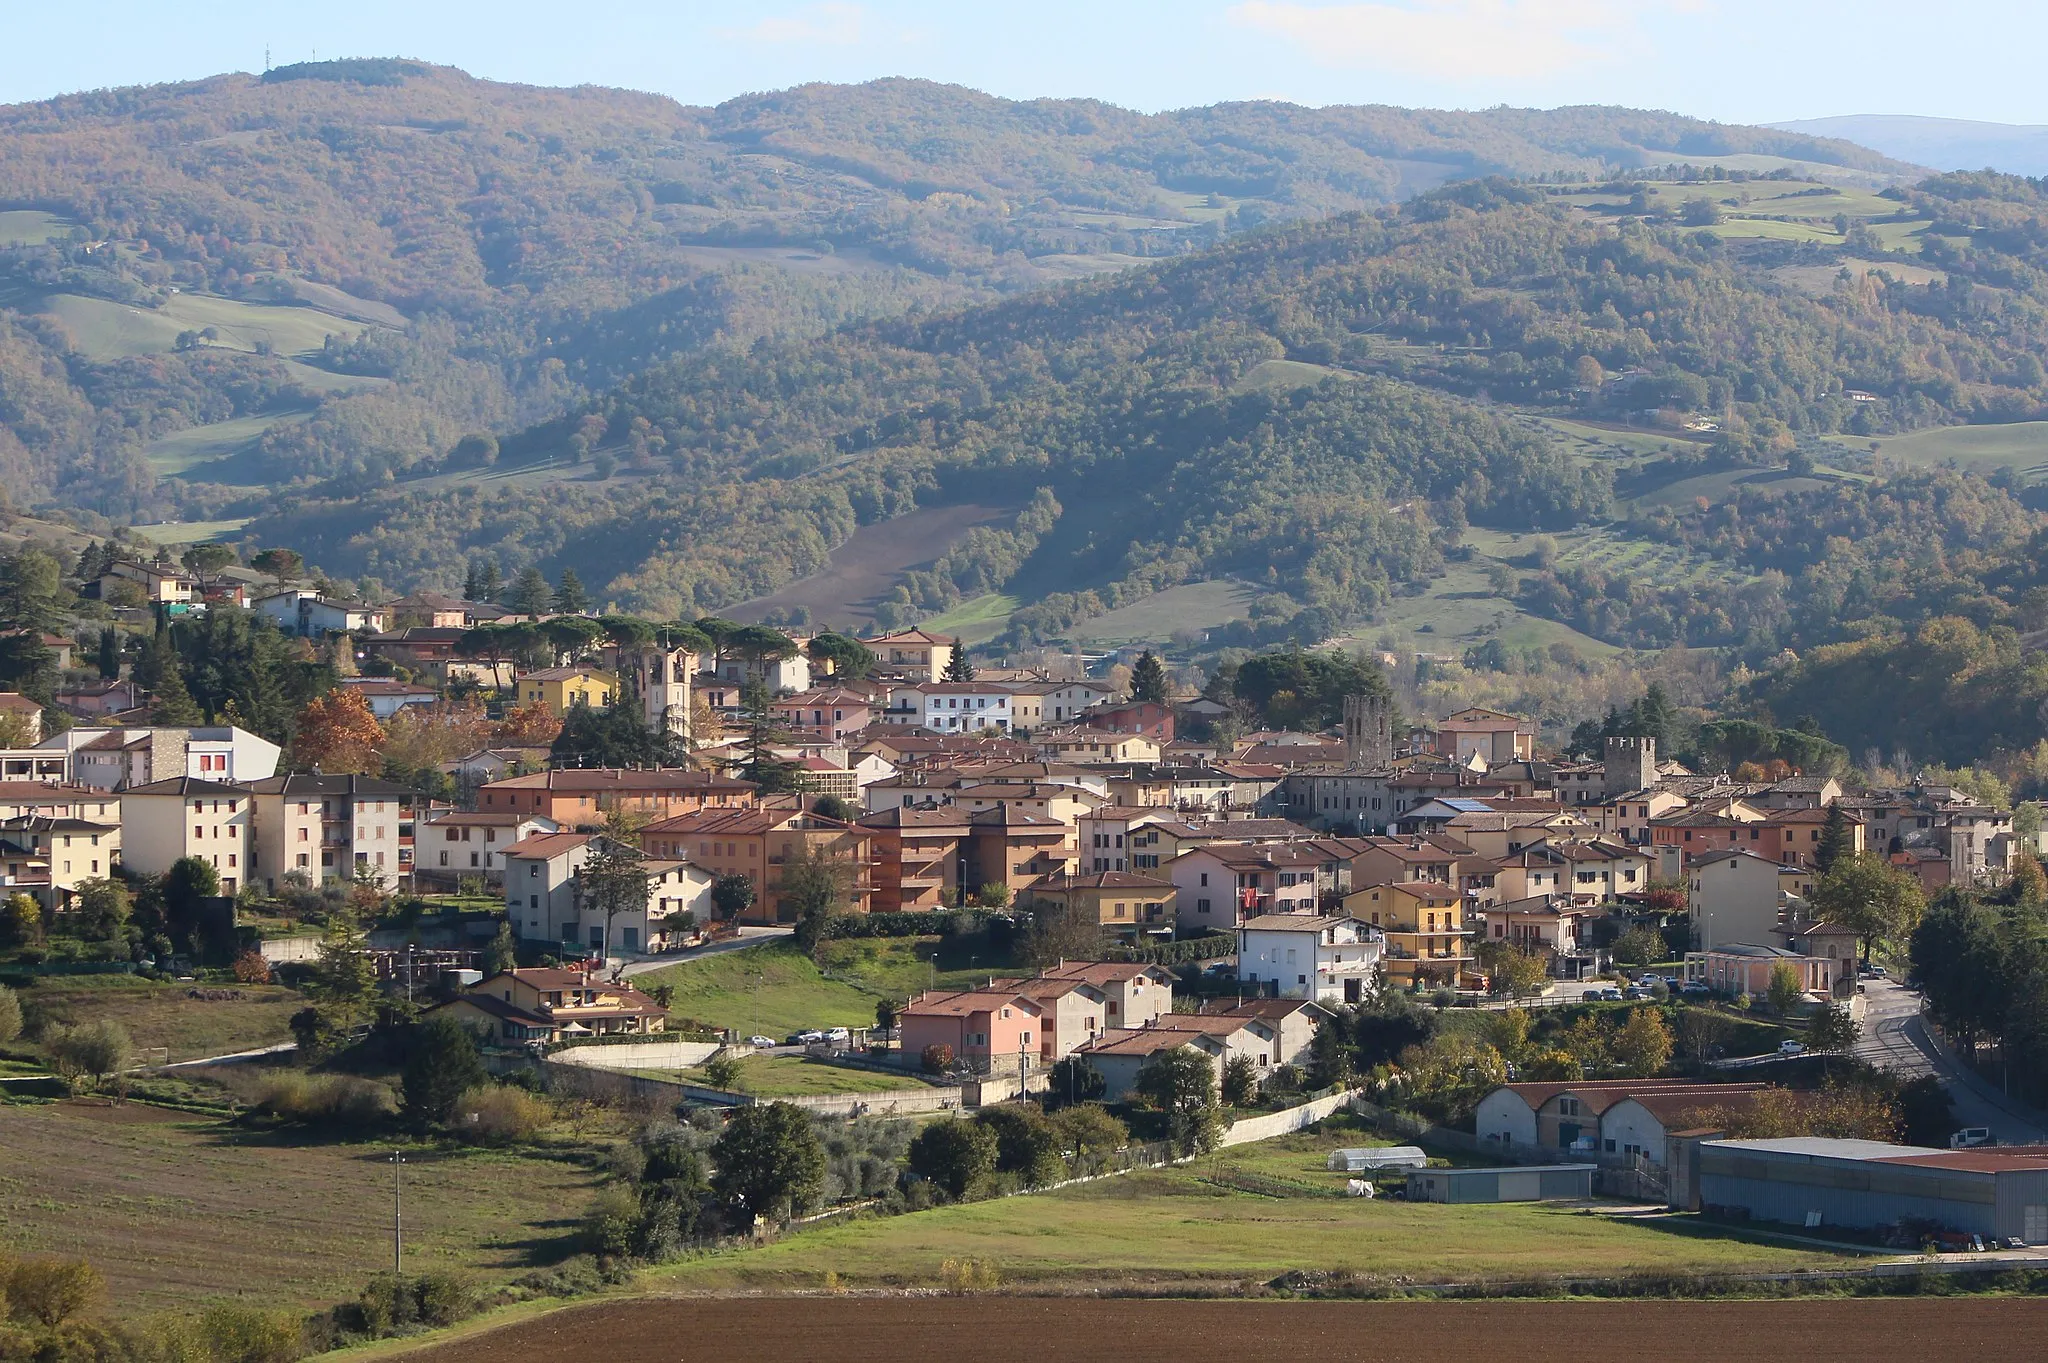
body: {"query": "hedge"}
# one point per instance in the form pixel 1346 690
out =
pixel 944 923
pixel 1207 947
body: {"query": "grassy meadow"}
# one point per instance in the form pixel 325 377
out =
pixel 165 1015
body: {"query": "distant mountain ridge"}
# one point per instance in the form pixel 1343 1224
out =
pixel 1943 143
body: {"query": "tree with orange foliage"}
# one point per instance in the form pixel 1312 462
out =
pixel 337 733
pixel 528 726
pixel 420 736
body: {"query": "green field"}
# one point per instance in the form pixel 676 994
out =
pixel 191 532
pixel 977 620
pixel 182 451
pixel 2021 446
pixel 165 1015
pixel 1155 619
pixel 790 1076
pixel 1275 375
pixel 106 330
pixel 1170 1226
pixel 177 1212
pixel 28 227
pixel 775 989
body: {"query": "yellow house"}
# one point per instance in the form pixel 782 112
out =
pixel 1425 926
pixel 1118 902
pixel 564 687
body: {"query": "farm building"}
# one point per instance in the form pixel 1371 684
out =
pixel 1362 1158
pixel 1527 1183
pixel 1812 1181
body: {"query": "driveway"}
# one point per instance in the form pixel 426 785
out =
pixel 748 937
pixel 1895 1039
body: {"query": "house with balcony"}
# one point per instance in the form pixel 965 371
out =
pixel 759 843
pixel 1222 884
pixel 545 1006
pixel 331 828
pixel 1425 929
pixel 914 654
pixel 1123 904
pixel 1326 958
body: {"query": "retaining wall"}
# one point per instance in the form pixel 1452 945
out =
pixel 1286 1120
pixel 648 1055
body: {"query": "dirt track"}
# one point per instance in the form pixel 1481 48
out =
pixel 1064 1330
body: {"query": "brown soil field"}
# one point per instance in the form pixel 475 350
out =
pixel 1045 1330
pixel 865 568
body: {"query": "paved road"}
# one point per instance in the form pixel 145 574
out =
pixel 748 937
pixel 1894 1038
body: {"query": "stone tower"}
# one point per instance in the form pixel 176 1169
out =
pixel 1631 765
pixel 1368 731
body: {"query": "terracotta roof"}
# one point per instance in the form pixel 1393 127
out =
pixel 547 846
pixel 1102 880
pixel 1295 922
pixel 1142 1041
pixel 602 779
pixel 966 1003
pixel 565 674
pixel 1105 972
pixel 910 816
pixel 188 785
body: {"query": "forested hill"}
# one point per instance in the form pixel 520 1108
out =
pixel 214 289
pixel 1319 409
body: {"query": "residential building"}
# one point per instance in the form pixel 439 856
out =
pixel 913 654
pixel 330 828
pixel 918 857
pixel 544 1006
pixel 1549 925
pixel 68 850
pixel 160 583
pixel 455 843
pixel 1425 929
pixel 1327 958
pixel 57 800
pixel 1222 884
pixel 1147 717
pixel 386 697
pixel 1011 846
pixel 96 700
pixel 1568 1114
pixel 982 1028
pixel 302 611
pixel 1734 896
pixel 1489 735
pixel 114 759
pixel 1294 1022
pixel 834 712
pixel 758 843
pixel 1119 1054
pixel 579 797
pixel 1123 904
pixel 1075 1012
pixel 546 898
pixel 184 816
pixel 1134 995
pixel 958 707
pixel 563 688
pixel 1078 743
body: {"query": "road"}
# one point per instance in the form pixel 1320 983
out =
pixel 748 937
pixel 1895 1039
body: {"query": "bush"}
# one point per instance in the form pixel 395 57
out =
pixel 327 1100
pixel 723 1072
pixel 252 968
pixel 935 1058
pixel 498 1114
pixel 958 1157
pixel 611 1222
pixel 89 1052
pixel 1207 947
pixel 245 1334
pixel 48 1292
pixel 10 1015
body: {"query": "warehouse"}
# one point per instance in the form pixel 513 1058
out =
pixel 1527 1183
pixel 1868 1185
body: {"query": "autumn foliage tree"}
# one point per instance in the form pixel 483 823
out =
pixel 337 733
pixel 528 726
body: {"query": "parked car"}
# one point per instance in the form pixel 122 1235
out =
pixel 837 1034
pixel 1638 992
pixel 1791 1048
pixel 1969 1137
pixel 1872 972
pixel 803 1038
pixel 1611 994
pixel 1696 989
pixel 761 1043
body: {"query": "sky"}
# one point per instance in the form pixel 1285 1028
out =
pixel 1740 61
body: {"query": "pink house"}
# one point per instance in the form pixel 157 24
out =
pixel 833 712
pixel 981 1026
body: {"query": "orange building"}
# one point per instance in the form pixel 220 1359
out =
pixel 758 843
pixel 581 799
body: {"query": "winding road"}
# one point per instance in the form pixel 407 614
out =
pixel 1894 1038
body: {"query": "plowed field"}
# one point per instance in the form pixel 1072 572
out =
pixel 1050 1330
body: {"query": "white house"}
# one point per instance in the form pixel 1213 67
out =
pixel 544 896
pixel 1330 958
pixel 961 707
pixel 300 610
pixel 457 844
pixel 184 816
pixel 386 697
pixel 115 759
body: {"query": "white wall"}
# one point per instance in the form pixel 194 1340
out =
pixel 1628 1123
pixel 1503 1112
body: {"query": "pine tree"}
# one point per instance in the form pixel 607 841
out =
pixel 164 675
pixel 1834 839
pixel 110 653
pixel 530 594
pixel 958 669
pixel 1148 679
pixel 473 582
pixel 88 562
pixel 489 581
pixel 570 598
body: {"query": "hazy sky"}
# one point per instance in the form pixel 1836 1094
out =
pixel 1735 60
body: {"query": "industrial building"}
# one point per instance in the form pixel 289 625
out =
pixel 1526 1183
pixel 1810 1181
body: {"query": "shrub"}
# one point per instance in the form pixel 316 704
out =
pixel 955 1156
pixel 958 1277
pixel 48 1292
pixel 936 1058
pixel 252 968
pixel 10 1015
pixel 722 1072
pixel 611 1222
pixel 497 1114
pixel 327 1100
pixel 245 1334
pixel 89 1052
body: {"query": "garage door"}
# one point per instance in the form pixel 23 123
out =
pixel 1520 1186
pixel 2035 1230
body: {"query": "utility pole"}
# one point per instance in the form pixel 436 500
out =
pixel 398 1215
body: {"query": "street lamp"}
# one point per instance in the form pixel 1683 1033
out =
pixel 398 1215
